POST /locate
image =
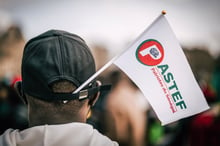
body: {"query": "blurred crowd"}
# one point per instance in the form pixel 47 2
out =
pixel 13 113
pixel 123 114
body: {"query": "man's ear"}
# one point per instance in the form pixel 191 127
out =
pixel 19 91
pixel 95 97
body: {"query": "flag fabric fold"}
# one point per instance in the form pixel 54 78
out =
pixel 157 65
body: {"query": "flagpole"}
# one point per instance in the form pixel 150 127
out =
pixel 114 58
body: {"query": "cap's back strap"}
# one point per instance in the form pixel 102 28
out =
pixel 83 94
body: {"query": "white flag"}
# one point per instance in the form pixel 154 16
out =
pixel 158 66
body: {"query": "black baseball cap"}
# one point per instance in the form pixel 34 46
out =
pixel 54 56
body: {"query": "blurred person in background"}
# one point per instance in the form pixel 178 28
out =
pixel 125 112
pixel 11 47
pixel 216 78
pixel 205 127
pixel 101 115
pixel 13 113
pixel 12 110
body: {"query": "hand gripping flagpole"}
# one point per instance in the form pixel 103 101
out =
pixel 114 58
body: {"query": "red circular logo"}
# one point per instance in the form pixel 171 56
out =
pixel 150 52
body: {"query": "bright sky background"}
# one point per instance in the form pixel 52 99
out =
pixel 115 23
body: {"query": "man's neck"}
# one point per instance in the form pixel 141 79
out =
pixel 53 120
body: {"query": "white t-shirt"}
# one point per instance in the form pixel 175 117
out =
pixel 71 134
